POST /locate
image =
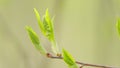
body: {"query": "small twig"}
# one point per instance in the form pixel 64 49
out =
pixel 81 63
pixel 93 65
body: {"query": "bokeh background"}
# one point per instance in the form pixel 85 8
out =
pixel 86 28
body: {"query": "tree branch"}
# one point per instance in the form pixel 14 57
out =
pixel 81 63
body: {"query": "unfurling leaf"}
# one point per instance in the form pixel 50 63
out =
pixel 47 29
pixel 118 26
pixel 50 32
pixel 48 26
pixel 35 40
pixel 39 22
pixel 69 59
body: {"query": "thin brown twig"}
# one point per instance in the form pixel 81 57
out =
pixel 93 65
pixel 81 63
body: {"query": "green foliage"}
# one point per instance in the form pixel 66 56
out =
pixel 118 26
pixel 35 40
pixel 47 29
pixel 69 59
pixel 48 25
pixel 39 22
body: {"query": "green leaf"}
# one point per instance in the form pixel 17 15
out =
pixel 48 25
pixel 35 40
pixel 50 35
pixel 67 57
pixel 39 21
pixel 50 32
pixel 48 19
pixel 47 29
pixel 118 26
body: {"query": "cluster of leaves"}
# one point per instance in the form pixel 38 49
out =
pixel 47 29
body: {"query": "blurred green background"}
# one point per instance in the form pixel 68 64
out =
pixel 86 28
